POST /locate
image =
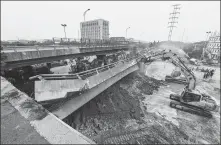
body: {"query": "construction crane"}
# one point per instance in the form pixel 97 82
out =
pixel 190 100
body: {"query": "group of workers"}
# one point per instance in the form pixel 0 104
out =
pixel 208 73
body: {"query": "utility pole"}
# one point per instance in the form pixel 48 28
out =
pixel 172 19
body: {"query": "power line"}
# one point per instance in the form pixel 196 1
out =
pixel 172 19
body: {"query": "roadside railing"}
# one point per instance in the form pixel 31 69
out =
pixel 82 75
pixel 55 47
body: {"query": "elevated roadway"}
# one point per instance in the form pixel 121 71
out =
pixel 23 56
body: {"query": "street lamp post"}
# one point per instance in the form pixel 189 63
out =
pixel 64 25
pixel 126 31
pixel 85 13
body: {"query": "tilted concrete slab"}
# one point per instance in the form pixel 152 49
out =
pixel 46 90
pixel 25 121
pixel 68 107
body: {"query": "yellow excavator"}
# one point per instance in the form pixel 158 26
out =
pixel 190 100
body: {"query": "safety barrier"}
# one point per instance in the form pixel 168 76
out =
pixel 82 75
pixel 55 47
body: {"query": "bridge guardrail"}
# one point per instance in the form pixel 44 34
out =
pixel 37 48
pixel 84 74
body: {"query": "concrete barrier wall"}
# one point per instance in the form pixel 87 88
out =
pixel 46 90
pixel 26 53
pixel 101 77
pixel 16 56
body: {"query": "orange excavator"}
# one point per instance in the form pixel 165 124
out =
pixel 190 100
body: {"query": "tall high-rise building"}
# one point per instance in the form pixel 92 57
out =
pixel 95 29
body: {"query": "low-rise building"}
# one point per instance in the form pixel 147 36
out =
pixel 117 39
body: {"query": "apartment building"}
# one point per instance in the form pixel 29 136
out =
pixel 213 47
pixel 95 29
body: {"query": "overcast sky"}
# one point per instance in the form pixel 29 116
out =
pixel 148 19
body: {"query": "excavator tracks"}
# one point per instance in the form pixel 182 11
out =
pixel 189 108
pixel 175 97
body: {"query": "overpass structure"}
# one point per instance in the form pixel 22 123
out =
pixel 88 84
pixel 23 56
pixel 23 121
pixel 94 82
pixel 34 119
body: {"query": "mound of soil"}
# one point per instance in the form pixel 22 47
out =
pixel 111 109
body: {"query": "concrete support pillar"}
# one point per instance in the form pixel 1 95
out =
pixel 2 72
pixel 77 119
pixel 49 65
pixel 83 117
pixel 141 66
pixel 2 68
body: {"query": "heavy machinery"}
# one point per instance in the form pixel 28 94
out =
pixel 190 100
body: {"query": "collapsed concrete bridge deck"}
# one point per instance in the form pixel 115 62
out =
pixel 93 85
pixel 46 127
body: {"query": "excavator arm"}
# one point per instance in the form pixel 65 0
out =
pixel 175 60
pixel 189 100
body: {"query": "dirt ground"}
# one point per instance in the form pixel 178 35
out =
pixel 136 110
